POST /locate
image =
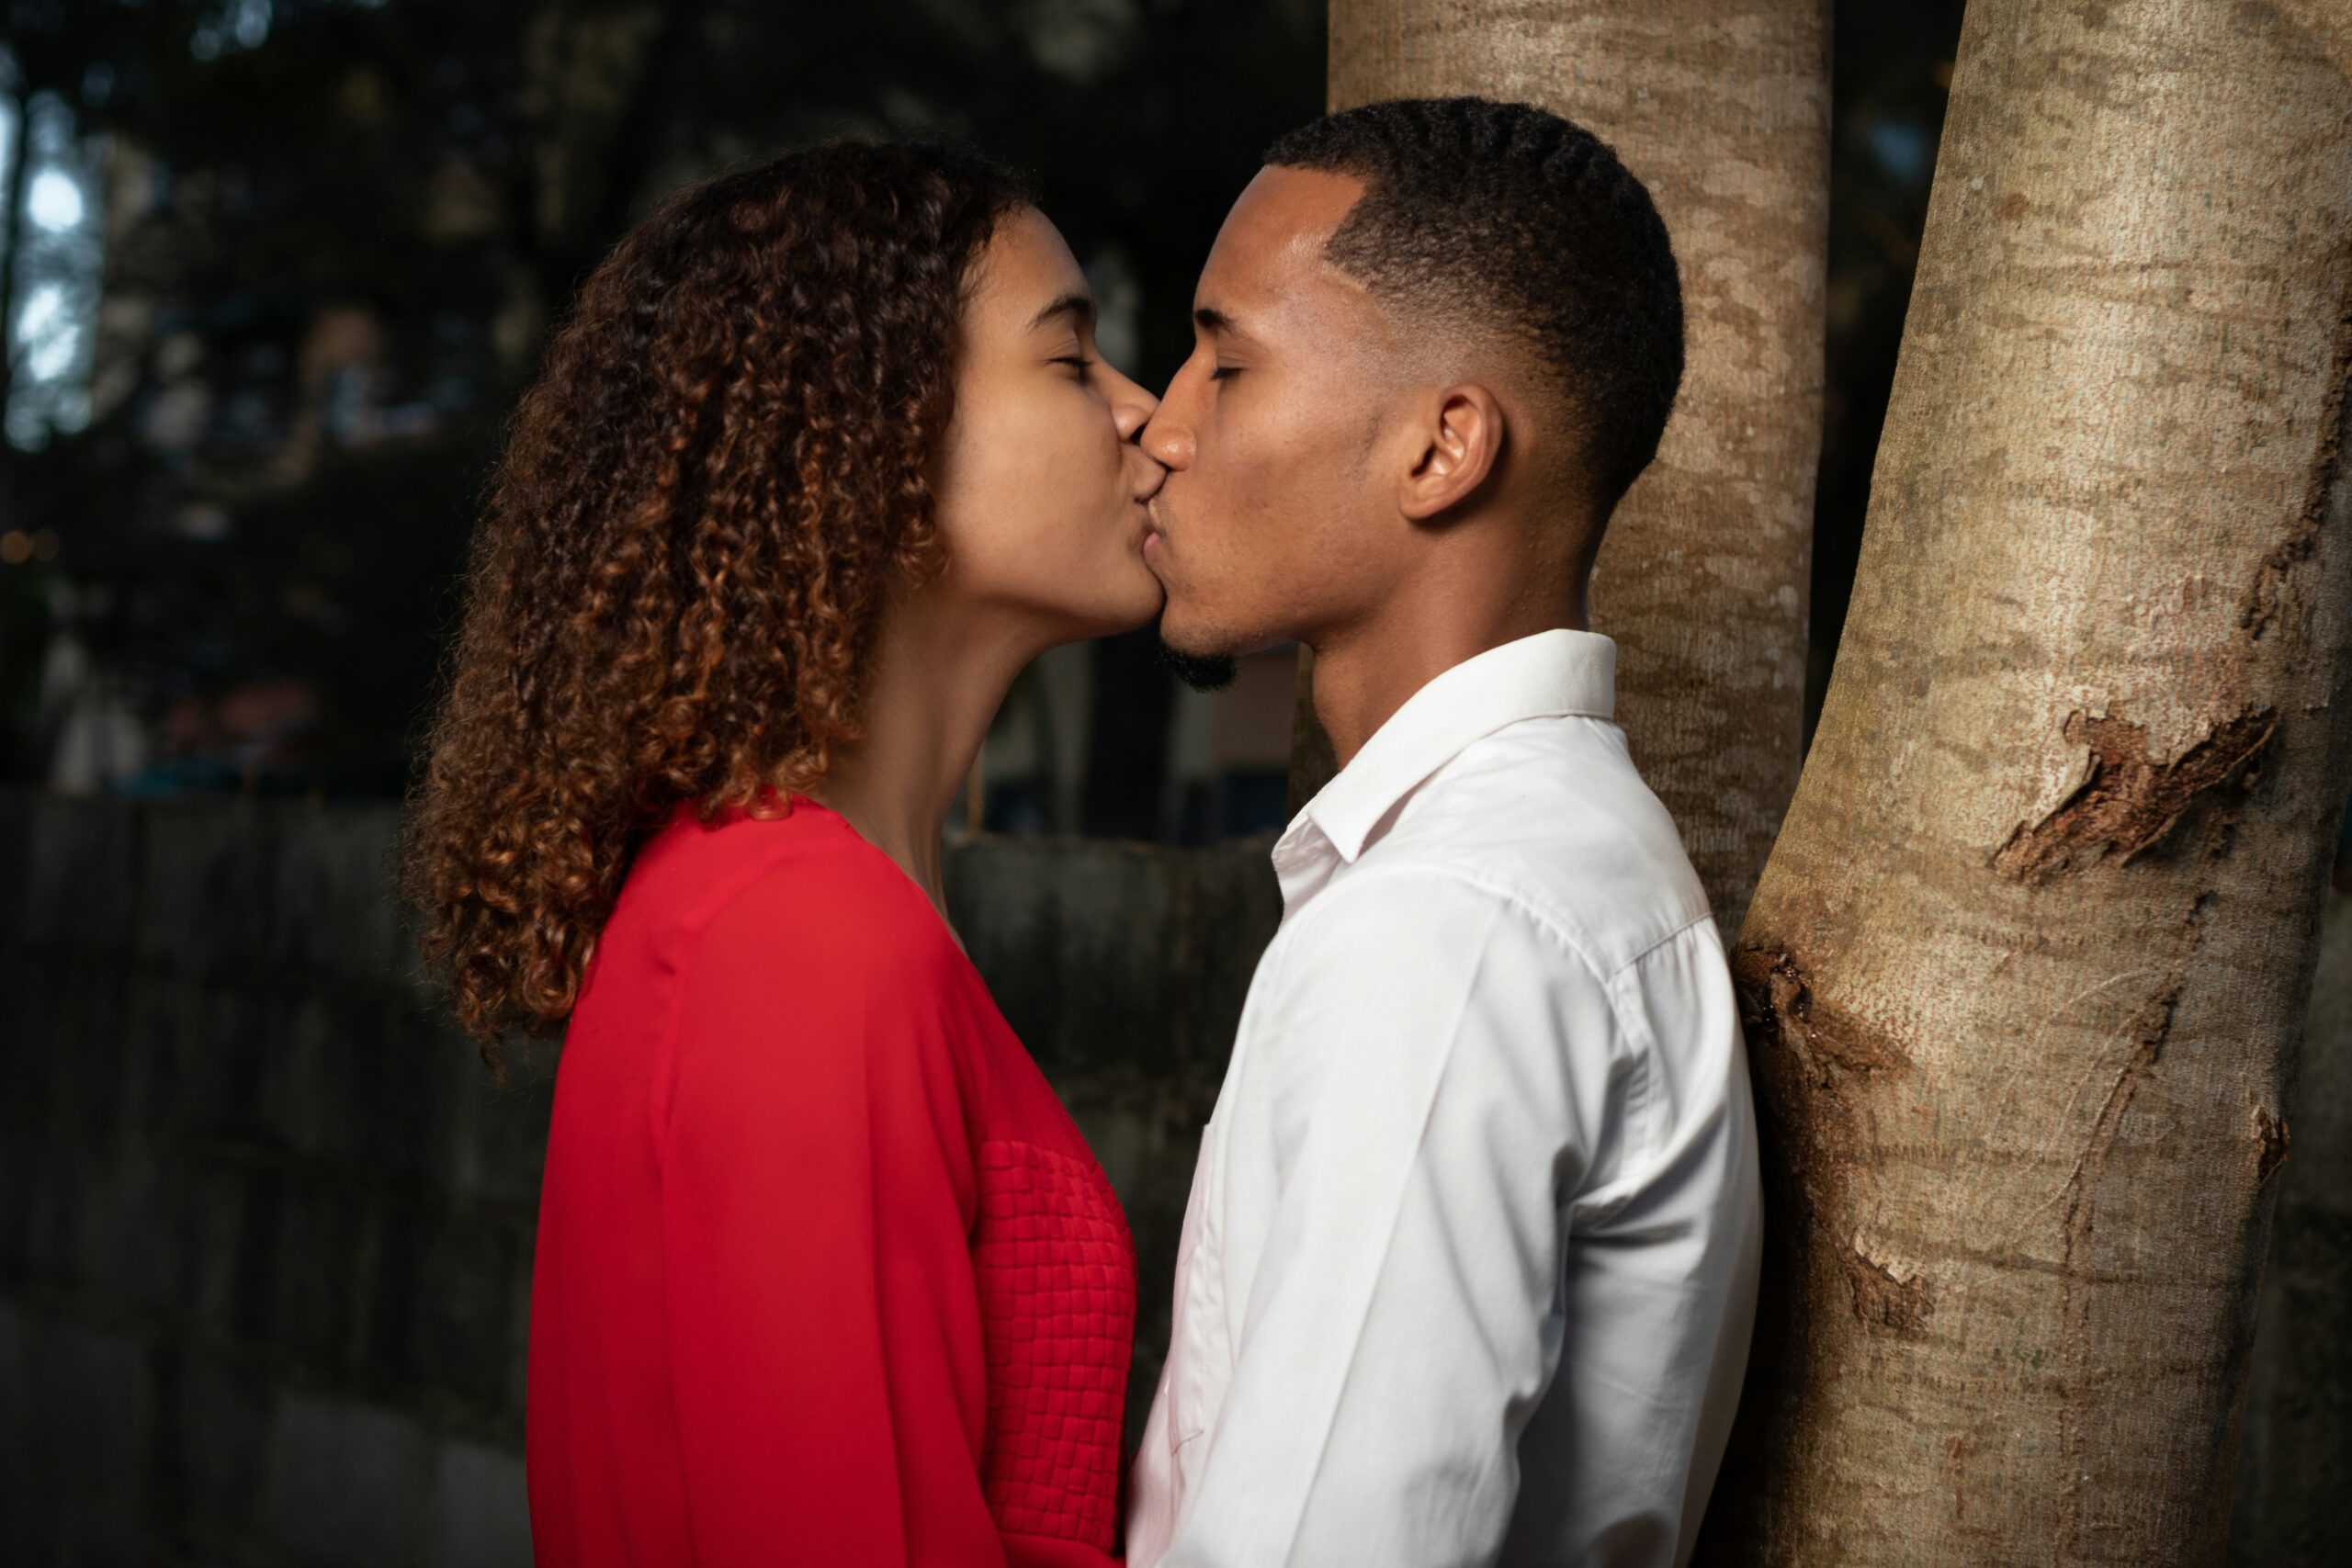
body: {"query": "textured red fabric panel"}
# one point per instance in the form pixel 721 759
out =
pixel 1056 1267
pixel 825 1273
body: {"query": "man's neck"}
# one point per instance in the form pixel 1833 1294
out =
pixel 1364 675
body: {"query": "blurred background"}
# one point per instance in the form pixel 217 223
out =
pixel 272 275
pixel 274 272
pixel 279 268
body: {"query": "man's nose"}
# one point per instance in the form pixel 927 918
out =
pixel 1167 440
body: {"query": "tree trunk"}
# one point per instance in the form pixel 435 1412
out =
pixel 12 252
pixel 1721 107
pixel 2295 1469
pixel 2025 973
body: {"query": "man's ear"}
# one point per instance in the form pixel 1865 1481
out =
pixel 1462 440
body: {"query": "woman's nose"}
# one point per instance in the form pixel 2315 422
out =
pixel 1144 475
pixel 1131 407
pixel 1131 417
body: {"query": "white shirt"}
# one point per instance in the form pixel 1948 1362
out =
pixel 1469 1265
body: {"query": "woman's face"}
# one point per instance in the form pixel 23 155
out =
pixel 1040 486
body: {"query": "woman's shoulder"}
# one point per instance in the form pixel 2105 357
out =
pixel 797 895
pixel 798 979
pixel 783 958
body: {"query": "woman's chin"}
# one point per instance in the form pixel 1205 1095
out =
pixel 1150 598
pixel 1131 602
pixel 1137 615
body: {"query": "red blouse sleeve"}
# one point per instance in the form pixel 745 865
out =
pixel 818 1197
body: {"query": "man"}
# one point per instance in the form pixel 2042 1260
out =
pixel 1470 1263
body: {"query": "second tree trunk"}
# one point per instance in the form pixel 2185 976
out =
pixel 2025 973
pixel 1722 107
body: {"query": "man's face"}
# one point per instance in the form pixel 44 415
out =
pixel 1270 525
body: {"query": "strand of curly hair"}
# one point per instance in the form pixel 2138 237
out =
pixel 686 546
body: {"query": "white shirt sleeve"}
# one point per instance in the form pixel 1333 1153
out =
pixel 1446 1080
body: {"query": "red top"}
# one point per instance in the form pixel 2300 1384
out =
pixel 825 1273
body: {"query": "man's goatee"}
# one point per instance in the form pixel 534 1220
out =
pixel 1202 671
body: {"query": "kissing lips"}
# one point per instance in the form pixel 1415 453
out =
pixel 1154 541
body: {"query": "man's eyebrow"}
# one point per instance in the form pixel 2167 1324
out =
pixel 1210 319
pixel 1080 305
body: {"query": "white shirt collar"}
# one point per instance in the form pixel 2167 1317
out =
pixel 1550 674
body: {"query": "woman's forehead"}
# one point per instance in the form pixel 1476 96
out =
pixel 1026 268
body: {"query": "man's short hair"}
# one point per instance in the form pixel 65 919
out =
pixel 1507 213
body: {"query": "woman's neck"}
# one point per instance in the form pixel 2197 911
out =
pixel 939 673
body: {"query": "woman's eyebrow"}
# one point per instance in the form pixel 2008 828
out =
pixel 1080 305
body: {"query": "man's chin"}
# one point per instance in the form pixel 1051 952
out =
pixel 1202 671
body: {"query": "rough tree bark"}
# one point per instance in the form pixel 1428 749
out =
pixel 2025 975
pixel 2295 1469
pixel 1721 107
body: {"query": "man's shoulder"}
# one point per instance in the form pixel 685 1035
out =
pixel 1553 815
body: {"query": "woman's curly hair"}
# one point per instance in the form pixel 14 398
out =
pixel 686 549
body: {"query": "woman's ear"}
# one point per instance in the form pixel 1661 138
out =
pixel 1462 440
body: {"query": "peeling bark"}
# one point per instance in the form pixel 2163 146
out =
pixel 1884 1299
pixel 1721 107
pixel 2063 834
pixel 2270 1141
pixel 2130 802
pixel 2262 599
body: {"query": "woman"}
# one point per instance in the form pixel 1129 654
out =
pixel 824 1273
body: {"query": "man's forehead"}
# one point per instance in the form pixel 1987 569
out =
pixel 1271 242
